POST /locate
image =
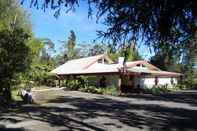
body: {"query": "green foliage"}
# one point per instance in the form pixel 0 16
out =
pixel 158 89
pixel 81 84
pixel 15 95
pixel 190 55
pixel 23 57
pixel 167 58
pixel 41 63
pixel 189 63
pixel 110 90
pixel 179 87
pixel 13 52
pixel 128 51
pixel 71 52
pixel 15 31
pixel 73 84
pixel 91 89
pixel 13 57
pixel 71 41
pixel 12 15
pixel 190 81
pixel 162 89
pixel 96 49
pixel 84 87
pixel 155 21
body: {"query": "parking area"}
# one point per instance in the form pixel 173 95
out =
pixel 60 110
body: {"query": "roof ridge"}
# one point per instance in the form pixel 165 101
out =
pixel 86 57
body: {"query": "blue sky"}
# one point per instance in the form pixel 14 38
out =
pixel 45 25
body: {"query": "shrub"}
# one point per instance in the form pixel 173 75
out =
pixel 189 83
pixel 76 84
pixel 72 85
pixel 178 87
pixel 81 84
pixel 111 90
pixel 91 89
pixel 158 89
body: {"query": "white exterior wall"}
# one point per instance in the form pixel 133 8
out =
pixel 150 82
pixel 147 82
pixel 164 81
pixel 143 82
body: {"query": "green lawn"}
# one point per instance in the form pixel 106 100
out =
pixel 15 96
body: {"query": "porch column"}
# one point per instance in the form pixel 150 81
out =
pixel 119 84
pixel 59 83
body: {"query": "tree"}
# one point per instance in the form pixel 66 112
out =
pixel 48 47
pixel 70 50
pixel 11 15
pixel 157 21
pixel 13 57
pixel 128 51
pixel 97 49
pixel 189 62
pixel 14 52
pixel 189 56
pixel 71 41
pixel 42 62
pixel 166 58
pixel 165 61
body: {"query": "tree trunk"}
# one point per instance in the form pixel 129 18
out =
pixel 7 91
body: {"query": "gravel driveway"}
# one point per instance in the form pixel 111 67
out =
pixel 60 110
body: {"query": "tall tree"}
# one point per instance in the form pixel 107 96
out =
pixel 97 49
pixel 157 21
pixel 13 57
pixel 189 55
pixel 71 41
pixel 70 49
pixel 14 52
pixel 41 64
pixel 128 51
pixel 166 58
pixel 131 53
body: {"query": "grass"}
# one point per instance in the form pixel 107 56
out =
pixel 46 96
pixel 15 90
pixel 40 87
pixel 15 96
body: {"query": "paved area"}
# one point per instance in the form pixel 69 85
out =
pixel 49 89
pixel 60 110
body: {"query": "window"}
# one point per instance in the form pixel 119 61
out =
pixel 102 61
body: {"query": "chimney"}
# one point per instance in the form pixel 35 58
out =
pixel 121 61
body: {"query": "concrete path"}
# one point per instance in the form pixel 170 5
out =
pixel 50 89
pixel 59 110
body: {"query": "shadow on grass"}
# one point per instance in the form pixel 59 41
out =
pixel 82 110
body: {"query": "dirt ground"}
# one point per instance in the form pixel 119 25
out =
pixel 60 110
